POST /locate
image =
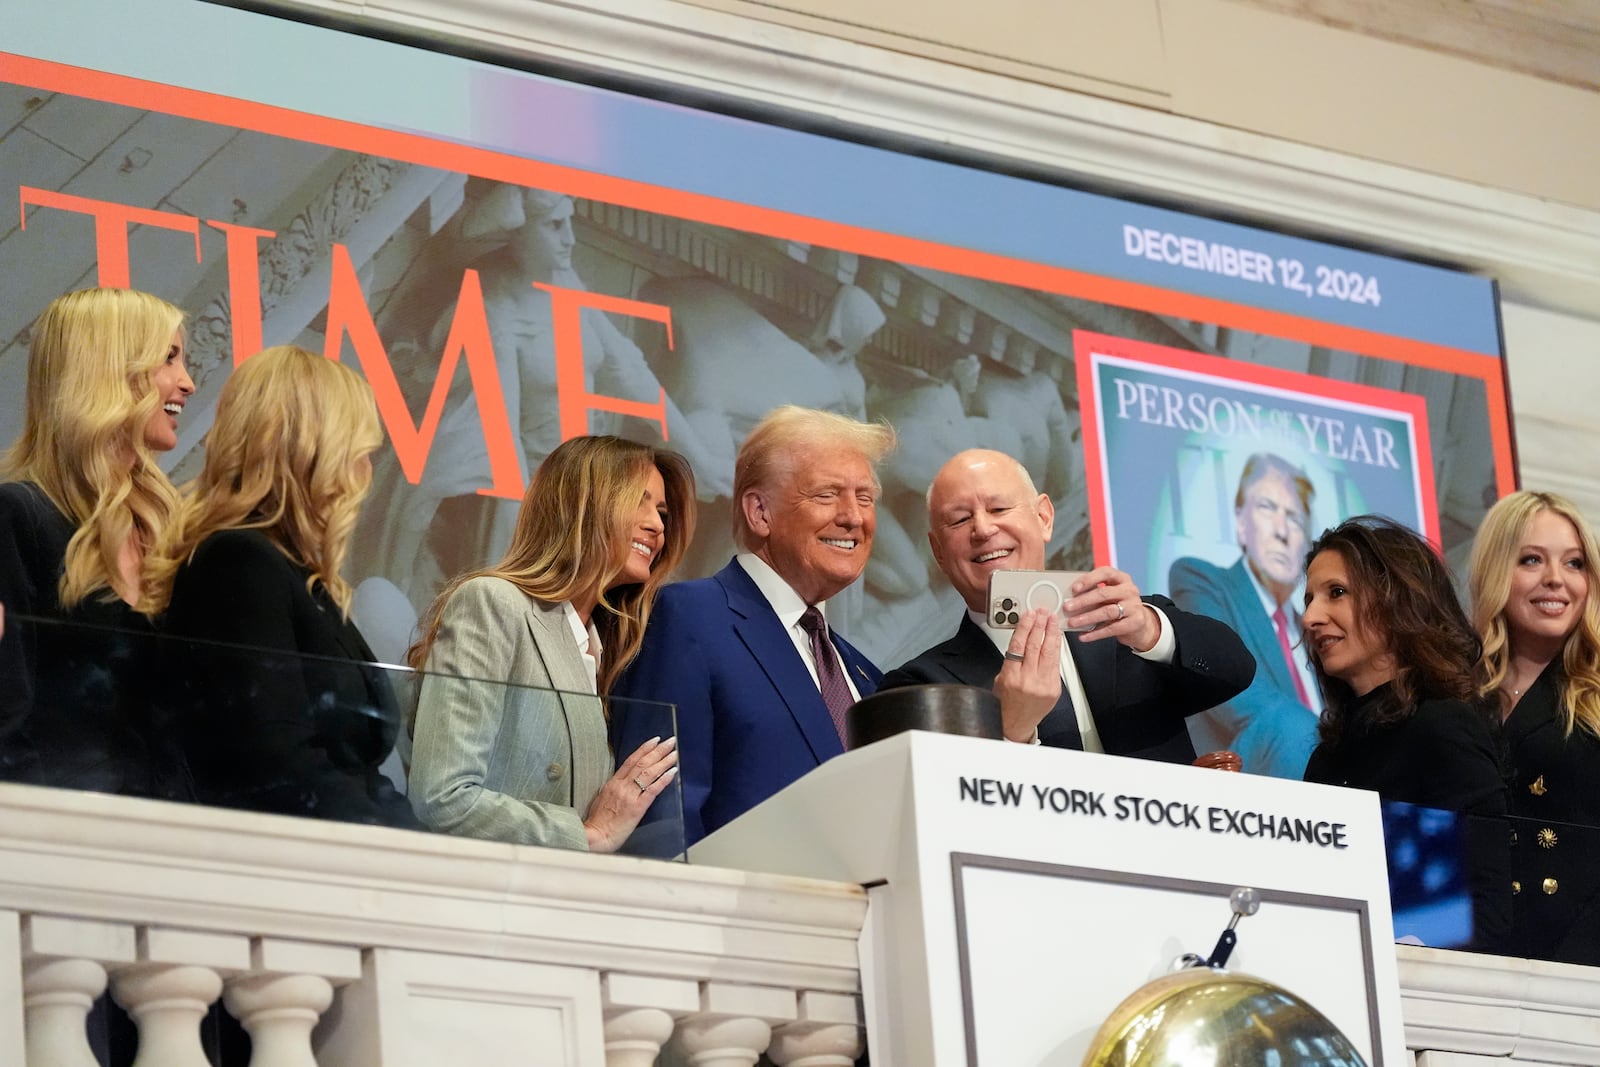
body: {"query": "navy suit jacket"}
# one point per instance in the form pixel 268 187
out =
pixel 1139 706
pixel 1267 725
pixel 750 718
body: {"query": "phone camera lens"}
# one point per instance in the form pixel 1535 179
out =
pixel 1012 618
pixel 999 618
pixel 1008 603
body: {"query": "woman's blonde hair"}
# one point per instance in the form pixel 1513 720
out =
pixel 284 457
pixel 90 395
pixel 1494 556
pixel 572 541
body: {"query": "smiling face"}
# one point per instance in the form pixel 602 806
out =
pixel 1344 645
pixel 815 524
pixel 172 383
pixel 1271 525
pixel 543 245
pixel 984 517
pixel 1549 584
pixel 646 532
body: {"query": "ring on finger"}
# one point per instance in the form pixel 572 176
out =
pixel 1018 656
pixel 1122 612
pixel 641 785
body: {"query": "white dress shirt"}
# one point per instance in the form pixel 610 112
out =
pixel 587 638
pixel 789 606
pixel 1161 652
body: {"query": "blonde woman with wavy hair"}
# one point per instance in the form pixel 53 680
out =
pixel 602 526
pixel 83 504
pixel 295 722
pixel 1535 579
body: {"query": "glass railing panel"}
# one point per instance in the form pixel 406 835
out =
pixel 1502 884
pixel 149 715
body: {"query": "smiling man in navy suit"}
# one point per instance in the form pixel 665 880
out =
pixel 760 680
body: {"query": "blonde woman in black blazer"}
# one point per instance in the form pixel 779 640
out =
pixel 289 716
pixel 1534 581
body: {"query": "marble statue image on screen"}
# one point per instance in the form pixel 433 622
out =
pixel 954 361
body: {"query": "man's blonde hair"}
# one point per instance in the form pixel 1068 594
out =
pixel 775 450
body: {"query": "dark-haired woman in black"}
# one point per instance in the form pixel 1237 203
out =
pixel 1398 664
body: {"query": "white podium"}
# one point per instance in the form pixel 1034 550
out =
pixel 1019 893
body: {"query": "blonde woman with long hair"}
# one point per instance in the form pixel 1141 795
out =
pixel 1535 578
pixel 602 525
pixel 255 560
pixel 82 504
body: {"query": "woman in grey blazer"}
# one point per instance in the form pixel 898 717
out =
pixel 509 739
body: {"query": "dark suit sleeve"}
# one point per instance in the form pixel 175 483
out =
pixel 255 734
pixel 672 667
pixel 1210 663
pixel 914 672
pixel 1272 732
pixel 1145 713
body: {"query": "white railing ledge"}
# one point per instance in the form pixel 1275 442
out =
pixel 98 857
pixel 1528 1011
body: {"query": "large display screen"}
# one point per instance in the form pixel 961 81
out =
pixel 513 259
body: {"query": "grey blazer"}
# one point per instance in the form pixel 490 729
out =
pixel 496 760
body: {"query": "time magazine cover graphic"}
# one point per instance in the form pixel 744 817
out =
pixel 1211 478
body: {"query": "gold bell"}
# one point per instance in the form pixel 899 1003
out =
pixel 1205 1017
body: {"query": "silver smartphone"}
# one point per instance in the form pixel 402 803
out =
pixel 1013 592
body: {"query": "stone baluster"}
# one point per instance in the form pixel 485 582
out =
pixel 281 997
pixel 639 1013
pixel 170 988
pixel 734 1024
pixel 279 1011
pixel 828 1033
pixel 12 1029
pixel 63 972
pixel 57 996
pixel 167 1002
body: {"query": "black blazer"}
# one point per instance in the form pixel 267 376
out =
pixel 1555 852
pixel 1444 755
pixel 295 734
pixel 1139 707
pixel 74 690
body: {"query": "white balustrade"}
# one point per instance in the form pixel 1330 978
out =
pixel 590 960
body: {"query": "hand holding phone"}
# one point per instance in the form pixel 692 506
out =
pixel 1012 593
